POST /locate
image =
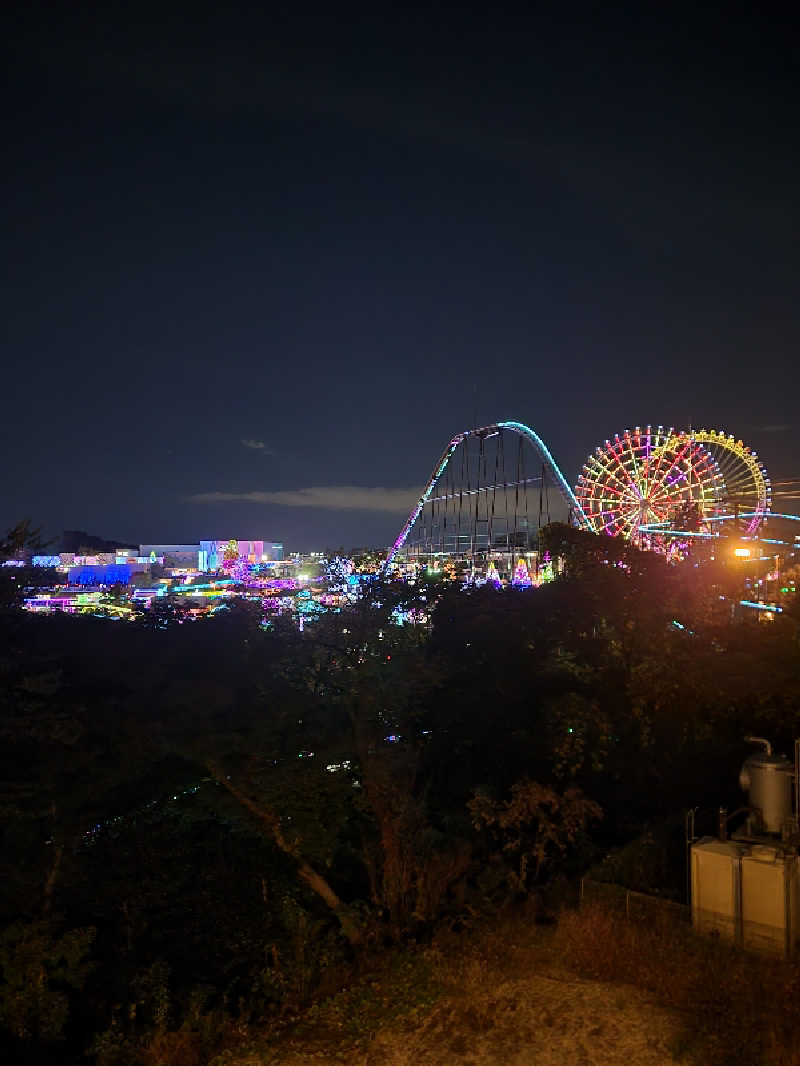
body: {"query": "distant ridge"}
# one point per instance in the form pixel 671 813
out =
pixel 73 540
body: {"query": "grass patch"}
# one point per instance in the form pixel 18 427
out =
pixel 738 1007
pixel 404 986
pixel 726 1006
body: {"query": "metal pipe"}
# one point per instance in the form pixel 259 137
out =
pixel 739 810
pixel 759 740
pixel 690 838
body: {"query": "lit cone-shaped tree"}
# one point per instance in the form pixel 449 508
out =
pixel 521 578
pixel 230 555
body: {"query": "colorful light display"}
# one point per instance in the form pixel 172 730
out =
pixel 492 576
pixel 240 571
pixel 747 486
pixel 521 578
pixel 517 428
pixel 231 555
pixel 646 476
pixel 650 478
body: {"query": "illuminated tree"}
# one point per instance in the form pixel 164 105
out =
pixel 338 570
pixel 240 569
pixel 230 555
pixel 492 576
pixel 521 578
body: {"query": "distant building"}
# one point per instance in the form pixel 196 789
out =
pixel 212 552
pixel 100 574
pixel 104 568
pixel 175 556
pixel 209 554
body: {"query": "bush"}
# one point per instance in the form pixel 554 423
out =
pixel 38 969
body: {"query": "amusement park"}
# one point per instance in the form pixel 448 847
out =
pixel 684 493
pixel 488 515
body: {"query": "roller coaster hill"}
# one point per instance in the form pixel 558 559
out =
pixel 678 492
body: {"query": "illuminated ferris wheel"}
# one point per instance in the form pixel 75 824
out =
pixel 647 477
pixel 747 491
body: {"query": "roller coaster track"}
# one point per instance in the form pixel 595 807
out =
pixel 487 431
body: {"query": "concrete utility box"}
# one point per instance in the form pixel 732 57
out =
pixel 716 887
pixel 770 919
pixel 748 893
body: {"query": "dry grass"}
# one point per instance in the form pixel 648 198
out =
pixel 495 1006
pixel 738 1007
pixel 596 989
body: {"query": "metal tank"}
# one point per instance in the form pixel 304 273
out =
pixel 767 779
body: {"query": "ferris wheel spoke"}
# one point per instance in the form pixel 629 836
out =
pixel 659 452
pixel 609 473
pixel 640 479
pixel 676 459
pixel 626 474
pixel 645 476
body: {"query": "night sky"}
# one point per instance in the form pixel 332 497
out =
pixel 259 254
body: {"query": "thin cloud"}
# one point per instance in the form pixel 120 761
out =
pixel 781 428
pixel 256 445
pixel 328 497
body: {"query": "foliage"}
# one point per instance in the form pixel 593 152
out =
pixel 38 969
pixel 536 825
pixel 653 863
pixel 162 612
pixel 350 766
pixel 20 543
pixel 22 540
pixel 687 516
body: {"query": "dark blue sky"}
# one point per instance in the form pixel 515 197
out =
pixel 344 238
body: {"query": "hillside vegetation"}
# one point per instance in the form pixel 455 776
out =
pixel 210 828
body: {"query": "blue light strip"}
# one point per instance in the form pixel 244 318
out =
pixel 536 440
pixel 659 528
pixel 755 514
pixel 761 606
